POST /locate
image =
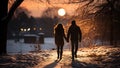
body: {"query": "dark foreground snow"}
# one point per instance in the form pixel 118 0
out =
pixel 93 57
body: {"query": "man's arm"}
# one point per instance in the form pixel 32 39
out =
pixel 80 35
pixel 64 35
pixel 68 35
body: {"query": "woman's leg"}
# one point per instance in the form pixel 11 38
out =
pixel 61 51
pixel 57 52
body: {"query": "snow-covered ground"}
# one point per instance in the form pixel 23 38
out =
pixel 88 57
pixel 22 48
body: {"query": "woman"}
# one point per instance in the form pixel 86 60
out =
pixel 59 40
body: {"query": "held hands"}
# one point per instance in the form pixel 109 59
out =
pixel 67 40
pixel 79 40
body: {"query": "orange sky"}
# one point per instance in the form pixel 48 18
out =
pixel 37 8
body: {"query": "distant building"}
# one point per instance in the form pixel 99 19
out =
pixel 45 25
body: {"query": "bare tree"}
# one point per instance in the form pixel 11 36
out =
pixel 106 15
pixel 110 12
pixel 5 17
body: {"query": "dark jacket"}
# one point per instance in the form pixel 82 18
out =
pixel 59 35
pixel 74 33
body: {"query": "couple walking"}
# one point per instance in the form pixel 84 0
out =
pixel 74 34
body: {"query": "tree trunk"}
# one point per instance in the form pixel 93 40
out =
pixel 3 25
pixel 5 17
pixel 3 38
pixel 111 3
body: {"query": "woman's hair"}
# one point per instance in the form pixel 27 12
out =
pixel 59 26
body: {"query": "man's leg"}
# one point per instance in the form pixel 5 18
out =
pixel 72 44
pixel 76 48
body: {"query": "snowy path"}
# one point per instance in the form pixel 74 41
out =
pixel 66 62
pixel 97 57
pixel 94 57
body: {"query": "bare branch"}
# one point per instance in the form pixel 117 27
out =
pixel 12 9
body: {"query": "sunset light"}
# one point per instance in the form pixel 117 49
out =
pixel 59 33
pixel 61 12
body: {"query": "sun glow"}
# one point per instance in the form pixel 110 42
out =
pixel 61 12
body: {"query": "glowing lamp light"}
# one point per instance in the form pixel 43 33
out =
pixel 25 30
pixel 61 12
pixel 40 28
pixel 21 29
pixel 28 29
pixel 34 28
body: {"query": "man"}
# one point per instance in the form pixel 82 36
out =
pixel 75 34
